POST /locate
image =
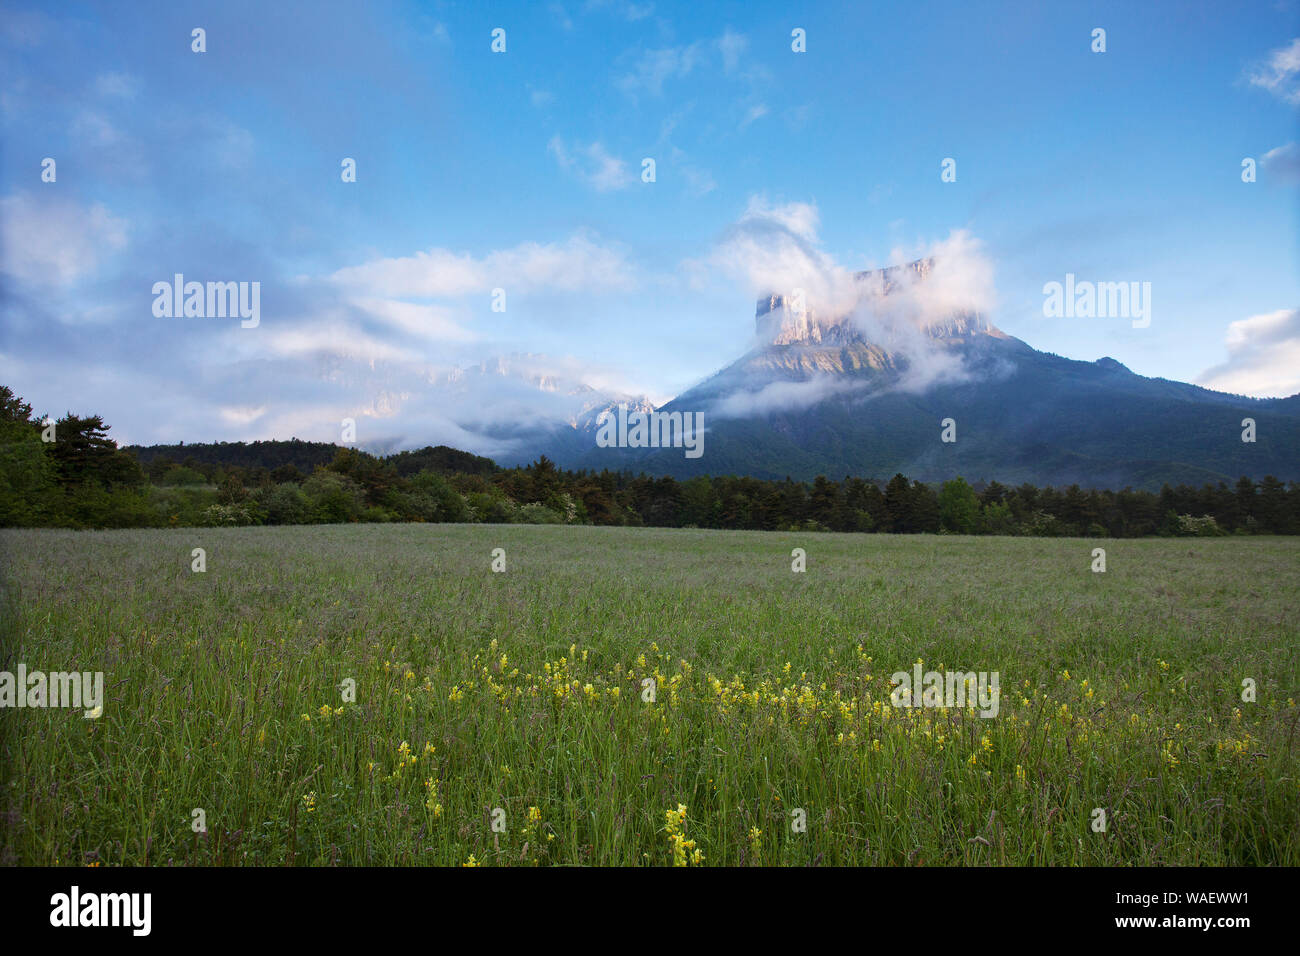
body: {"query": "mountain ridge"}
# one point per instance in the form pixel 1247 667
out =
pixel 865 393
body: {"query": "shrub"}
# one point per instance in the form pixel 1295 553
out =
pixel 334 498
pixel 538 513
pixel 285 504
pixel 491 508
pixel 1203 527
pixel 227 515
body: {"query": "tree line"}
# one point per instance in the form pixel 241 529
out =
pixel 73 475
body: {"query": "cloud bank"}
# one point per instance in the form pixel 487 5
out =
pixel 1279 74
pixel 774 248
pixel 1263 357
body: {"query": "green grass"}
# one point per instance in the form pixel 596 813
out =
pixel 209 676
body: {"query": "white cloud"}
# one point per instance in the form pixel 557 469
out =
pixel 95 130
pixel 755 112
pixel 578 264
pixel 1282 163
pixel 733 46
pixel 800 218
pixel 491 407
pixel 626 9
pixel 699 181
pixel 774 247
pixel 231 145
pixel 1263 357
pixel 241 414
pixel 592 164
pixel 960 280
pixel 656 67
pixel 436 273
pixel 121 85
pixel 1280 75
pixel 784 396
pixel 421 321
pixel 55 241
pixel 337 339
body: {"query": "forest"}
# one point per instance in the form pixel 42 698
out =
pixel 68 473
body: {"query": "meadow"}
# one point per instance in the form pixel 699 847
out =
pixel 378 695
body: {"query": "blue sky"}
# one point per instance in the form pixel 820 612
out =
pixel 522 170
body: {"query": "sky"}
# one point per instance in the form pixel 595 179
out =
pixel 524 171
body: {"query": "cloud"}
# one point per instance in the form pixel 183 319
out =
pixel 1282 163
pixel 1280 74
pixel 755 112
pixel 914 314
pixel 422 321
pixel 700 182
pixel 228 145
pixel 346 344
pixel 435 273
pixel 499 407
pixel 656 67
pixel 784 396
pixel 241 414
pixel 579 264
pixel 95 130
pixel 591 164
pixel 960 280
pixel 328 338
pixel 1263 357
pixel 52 241
pixel 627 9
pixel 733 46
pixel 576 265
pixel 121 85
pixel 799 218
pixel 775 248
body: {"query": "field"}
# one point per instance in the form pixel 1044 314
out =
pixel 502 719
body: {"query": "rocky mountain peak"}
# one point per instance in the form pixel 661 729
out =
pixel 779 321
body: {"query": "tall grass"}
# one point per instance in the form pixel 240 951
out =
pixel 516 698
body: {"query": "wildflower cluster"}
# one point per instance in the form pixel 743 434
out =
pixel 679 846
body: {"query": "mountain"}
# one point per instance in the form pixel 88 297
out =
pixel 864 392
pixel 519 406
